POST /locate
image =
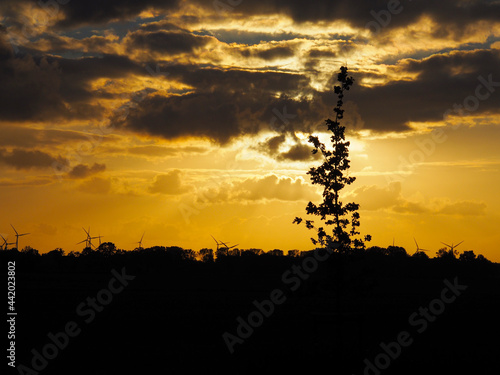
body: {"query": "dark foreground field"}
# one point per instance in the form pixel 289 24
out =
pixel 171 317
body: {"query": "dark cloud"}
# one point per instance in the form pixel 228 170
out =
pixel 169 183
pixel 224 105
pixel 442 81
pixel 268 54
pixel 227 103
pixel 83 170
pixel 76 74
pixel 39 88
pixel 166 42
pixel 271 145
pixel 57 44
pixel 251 37
pixel 318 53
pixel 92 12
pixel 450 15
pixel 219 115
pixel 162 151
pixel 25 137
pixel 274 53
pixel 208 79
pixel 23 159
pixel 358 13
pixel 30 88
pixel 298 152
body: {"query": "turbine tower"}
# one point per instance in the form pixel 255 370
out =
pixel 217 242
pixel 99 236
pixel 17 236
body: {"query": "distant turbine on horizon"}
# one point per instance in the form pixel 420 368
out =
pixel 17 236
pixel 88 240
pixel 5 243
pixel 452 247
pixel 140 242
pixel 219 243
pixel 418 248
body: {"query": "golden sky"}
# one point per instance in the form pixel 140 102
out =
pixel 188 118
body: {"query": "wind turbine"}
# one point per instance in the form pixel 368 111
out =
pixel 452 247
pixel 140 242
pixel 88 240
pixel 219 243
pixel 5 243
pixel 418 248
pixel 17 236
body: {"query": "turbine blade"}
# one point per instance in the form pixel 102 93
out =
pixel 13 228
pixel 446 244
pixel 415 242
pixel 458 243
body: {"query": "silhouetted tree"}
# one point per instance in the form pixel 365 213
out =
pixel 420 255
pixel 221 252
pixel 446 254
pixel 234 252
pixel 107 249
pixel 376 250
pixel 207 255
pixel 251 252
pixel 481 258
pixel 56 253
pixel 29 251
pixel 87 251
pixel 467 256
pixel 396 251
pixel 332 176
pixel 276 253
pixel 189 254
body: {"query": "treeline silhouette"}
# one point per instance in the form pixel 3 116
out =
pixel 107 255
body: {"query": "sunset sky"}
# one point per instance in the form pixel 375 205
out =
pixel 188 118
